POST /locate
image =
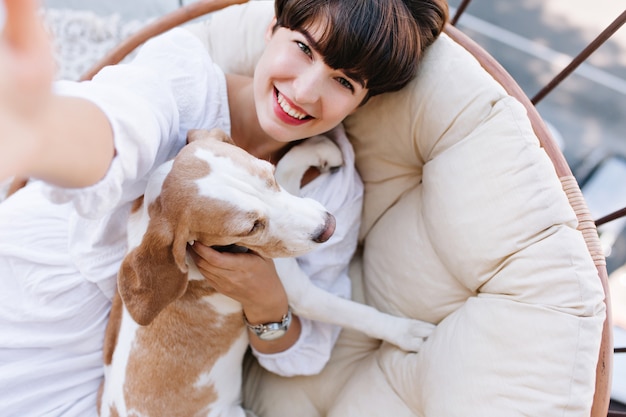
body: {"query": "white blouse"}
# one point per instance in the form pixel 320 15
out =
pixel 60 249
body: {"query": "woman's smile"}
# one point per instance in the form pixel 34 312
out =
pixel 287 111
pixel 296 94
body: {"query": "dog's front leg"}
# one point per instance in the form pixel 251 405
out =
pixel 312 302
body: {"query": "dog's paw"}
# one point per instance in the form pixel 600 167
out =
pixel 411 334
pixel 319 152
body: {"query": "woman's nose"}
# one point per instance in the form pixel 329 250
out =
pixel 308 86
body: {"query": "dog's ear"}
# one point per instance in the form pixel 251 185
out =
pixel 217 134
pixel 154 274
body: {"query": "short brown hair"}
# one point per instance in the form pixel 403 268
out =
pixel 376 42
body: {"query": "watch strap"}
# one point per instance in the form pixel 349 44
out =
pixel 265 328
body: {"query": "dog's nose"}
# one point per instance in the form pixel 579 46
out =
pixel 325 231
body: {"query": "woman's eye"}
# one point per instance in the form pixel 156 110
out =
pixel 345 83
pixel 304 48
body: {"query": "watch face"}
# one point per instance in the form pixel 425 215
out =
pixel 272 334
pixel 271 331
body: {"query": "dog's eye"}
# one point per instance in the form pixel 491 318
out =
pixel 257 226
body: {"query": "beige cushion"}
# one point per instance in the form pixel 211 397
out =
pixel 465 225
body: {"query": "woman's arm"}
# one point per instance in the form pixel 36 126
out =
pixel 66 141
pixel 253 281
pixel 71 144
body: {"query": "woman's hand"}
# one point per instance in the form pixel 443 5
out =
pixel 26 73
pixel 246 277
pixel 252 280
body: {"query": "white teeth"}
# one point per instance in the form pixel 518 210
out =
pixel 288 109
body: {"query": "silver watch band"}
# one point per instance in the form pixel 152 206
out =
pixel 270 331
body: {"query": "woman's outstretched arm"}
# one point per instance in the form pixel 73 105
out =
pixel 63 140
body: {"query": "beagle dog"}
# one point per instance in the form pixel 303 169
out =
pixel 173 345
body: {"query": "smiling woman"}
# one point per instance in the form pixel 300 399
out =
pixel 131 118
pixel 490 251
pixel 451 166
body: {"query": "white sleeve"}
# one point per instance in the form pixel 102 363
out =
pixel 169 87
pixel 327 267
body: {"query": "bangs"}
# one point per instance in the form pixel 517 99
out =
pixel 349 42
pixel 377 43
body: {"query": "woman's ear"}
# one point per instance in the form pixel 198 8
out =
pixel 270 29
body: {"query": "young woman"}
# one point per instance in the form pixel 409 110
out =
pixel 92 146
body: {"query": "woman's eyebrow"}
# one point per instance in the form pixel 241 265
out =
pixel 314 44
pixel 310 40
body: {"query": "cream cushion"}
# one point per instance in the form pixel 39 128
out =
pixel 465 225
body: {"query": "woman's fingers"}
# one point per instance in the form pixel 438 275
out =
pixel 26 73
pixel 29 48
pixel 23 26
pixel 246 277
pixel 242 272
pixel 208 257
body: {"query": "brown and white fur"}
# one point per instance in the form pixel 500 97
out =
pixel 174 346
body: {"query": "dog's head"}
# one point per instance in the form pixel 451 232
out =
pixel 215 193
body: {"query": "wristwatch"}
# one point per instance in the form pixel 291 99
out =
pixel 271 331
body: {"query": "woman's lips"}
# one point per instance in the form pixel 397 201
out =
pixel 287 111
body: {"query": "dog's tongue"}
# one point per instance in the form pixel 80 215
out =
pixel 231 248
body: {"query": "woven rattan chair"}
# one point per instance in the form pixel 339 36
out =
pixel 587 225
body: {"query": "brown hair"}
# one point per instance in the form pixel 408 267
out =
pixel 376 42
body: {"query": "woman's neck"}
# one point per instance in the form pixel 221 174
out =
pixel 245 128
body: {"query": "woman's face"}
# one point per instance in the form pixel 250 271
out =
pixel 296 94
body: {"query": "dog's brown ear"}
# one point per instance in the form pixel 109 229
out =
pixel 217 134
pixel 154 274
